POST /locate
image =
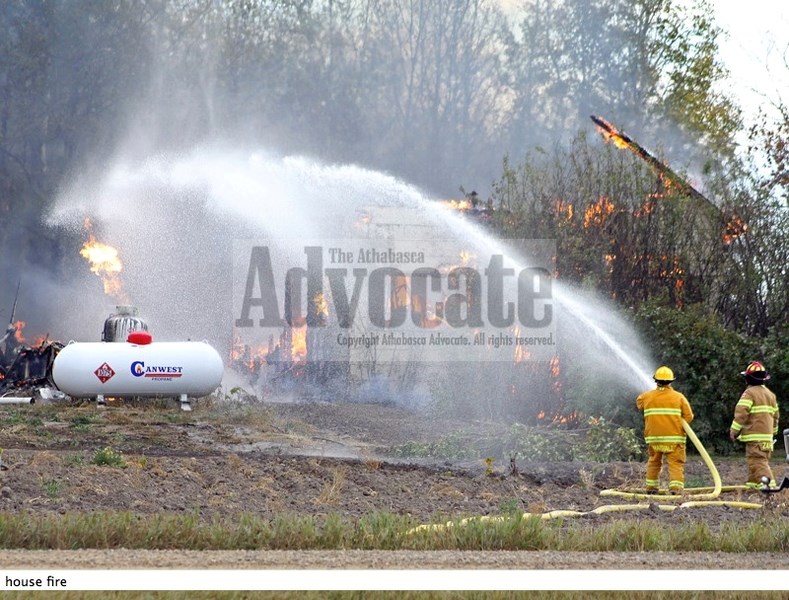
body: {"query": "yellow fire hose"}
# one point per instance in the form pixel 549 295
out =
pixel 703 497
pixel 714 492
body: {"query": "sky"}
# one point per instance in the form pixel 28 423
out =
pixel 755 47
pixel 756 50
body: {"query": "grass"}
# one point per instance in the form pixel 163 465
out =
pixel 109 457
pixel 74 459
pixel 52 487
pixel 376 531
pixel 82 422
pixel 332 490
pixel 769 533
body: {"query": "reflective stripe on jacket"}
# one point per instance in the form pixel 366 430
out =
pixel 756 415
pixel 664 408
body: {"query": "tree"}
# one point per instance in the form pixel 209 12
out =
pixel 650 65
pixel 434 78
pixel 618 228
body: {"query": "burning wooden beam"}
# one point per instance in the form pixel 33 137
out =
pixel 622 140
pixel 733 225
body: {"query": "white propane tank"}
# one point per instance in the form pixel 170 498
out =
pixel 163 369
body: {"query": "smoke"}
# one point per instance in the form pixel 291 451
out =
pixel 174 218
pixel 174 194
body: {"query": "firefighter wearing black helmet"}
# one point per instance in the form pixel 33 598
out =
pixel 664 409
pixel 755 423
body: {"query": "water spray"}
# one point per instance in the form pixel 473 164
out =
pixel 562 297
pixel 183 284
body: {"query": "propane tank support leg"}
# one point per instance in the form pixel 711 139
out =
pixel 185 406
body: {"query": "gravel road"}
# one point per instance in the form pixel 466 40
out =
pixel 365 559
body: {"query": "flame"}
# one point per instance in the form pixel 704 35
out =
pixel 734 229
pixel 612 135
pixel 647 208
pixel 467 258
pixel 598 212
pixel 521 353
pixel 104 262
pixel 569 419
pixel 564 208
pixel 320 305
pixel 18 326
pixel 556 371
pixel 241 353
pixel 399 295
pixel 298 343
pixel 252 357
pixel 458 204
pixel 363 220
pixel 610 259
pixel 236 349
pixel 18 335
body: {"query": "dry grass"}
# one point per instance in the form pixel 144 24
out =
pixel 447 490
pixel 488 496
pixel 237 464
pixel 332 492
pixel 370 461
pixel 45 458
pixel 587 479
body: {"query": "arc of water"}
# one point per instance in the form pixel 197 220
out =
pixel 560 296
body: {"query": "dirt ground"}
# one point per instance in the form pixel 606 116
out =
pixel 307 459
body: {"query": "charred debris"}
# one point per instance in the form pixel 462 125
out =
pixel 26 370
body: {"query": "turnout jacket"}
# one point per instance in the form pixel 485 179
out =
pixel 664 408
pixel 756 415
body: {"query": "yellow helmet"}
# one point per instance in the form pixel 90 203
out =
pixel 664 374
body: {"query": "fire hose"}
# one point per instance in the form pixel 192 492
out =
pixel 705 496
pixel 700 493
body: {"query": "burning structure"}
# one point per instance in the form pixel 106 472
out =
pixel 126 363
pixel 26 370
pixel 732 226
pixel 390 355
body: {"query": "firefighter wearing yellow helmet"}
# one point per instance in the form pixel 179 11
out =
pixel 755 423
pixel 664 409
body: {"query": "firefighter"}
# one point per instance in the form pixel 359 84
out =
pixel 664 409
pixel 755 423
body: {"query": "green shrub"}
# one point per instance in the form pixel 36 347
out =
pixel 606 442
pixel 83 422
pixel 532 444
pixel 51 487
pixel 454 445
pixel 706 359
pixel 109 457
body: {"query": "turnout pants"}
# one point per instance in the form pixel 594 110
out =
pixel 757 455
pixel 674 455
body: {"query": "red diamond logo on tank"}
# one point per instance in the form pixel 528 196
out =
pixel 104 373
